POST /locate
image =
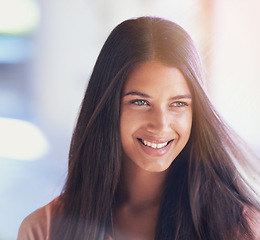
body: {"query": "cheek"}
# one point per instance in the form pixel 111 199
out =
pixel 130 122
pixel 127 126
pixel 183 125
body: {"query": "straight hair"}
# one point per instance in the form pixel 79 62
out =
pixel 204 196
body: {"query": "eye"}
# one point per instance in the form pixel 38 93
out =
pixel 139 102
pixel 179 104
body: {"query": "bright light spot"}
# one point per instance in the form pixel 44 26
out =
pixel 21 140
pixel 18 16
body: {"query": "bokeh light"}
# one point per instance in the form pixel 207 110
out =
pixel 21 140
pixel 18 16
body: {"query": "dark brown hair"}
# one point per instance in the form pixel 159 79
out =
pixel 204 195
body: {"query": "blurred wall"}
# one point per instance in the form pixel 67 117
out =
pixel 235 66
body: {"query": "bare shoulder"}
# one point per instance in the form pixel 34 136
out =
pixel 37 224
pixel 253 217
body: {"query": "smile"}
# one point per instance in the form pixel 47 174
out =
pixel 153 145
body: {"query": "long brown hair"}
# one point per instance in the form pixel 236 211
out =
pixel 204 194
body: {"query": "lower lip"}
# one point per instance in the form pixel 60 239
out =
pixel 155 151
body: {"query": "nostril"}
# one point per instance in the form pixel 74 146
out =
pixel 158 125
pixel 159 119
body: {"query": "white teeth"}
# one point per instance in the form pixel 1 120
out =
pixel 154 145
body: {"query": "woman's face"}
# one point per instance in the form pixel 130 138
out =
pixel 155 117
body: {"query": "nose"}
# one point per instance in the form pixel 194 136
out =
pixel 159 121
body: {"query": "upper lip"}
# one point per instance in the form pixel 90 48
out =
pixel 156 141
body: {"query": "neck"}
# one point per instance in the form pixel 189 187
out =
pixel 140 188
pixel 137 206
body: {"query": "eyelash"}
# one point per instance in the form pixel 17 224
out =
pixel 141 102
pixel 138 101
pixel 180 104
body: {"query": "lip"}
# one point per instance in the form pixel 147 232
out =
pixel 156 151
pixel 155 141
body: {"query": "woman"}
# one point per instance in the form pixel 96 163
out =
pixel 150 158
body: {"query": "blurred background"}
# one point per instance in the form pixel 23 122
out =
pixel 47 52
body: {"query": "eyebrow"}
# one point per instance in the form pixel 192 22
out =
pixel 181 96
pixel 136 93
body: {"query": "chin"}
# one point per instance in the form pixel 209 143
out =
pixel 156 168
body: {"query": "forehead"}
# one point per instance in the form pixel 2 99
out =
pixel 156 77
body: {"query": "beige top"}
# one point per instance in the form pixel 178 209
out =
pixel 37 225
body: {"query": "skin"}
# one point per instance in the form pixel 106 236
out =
pixel 156 106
